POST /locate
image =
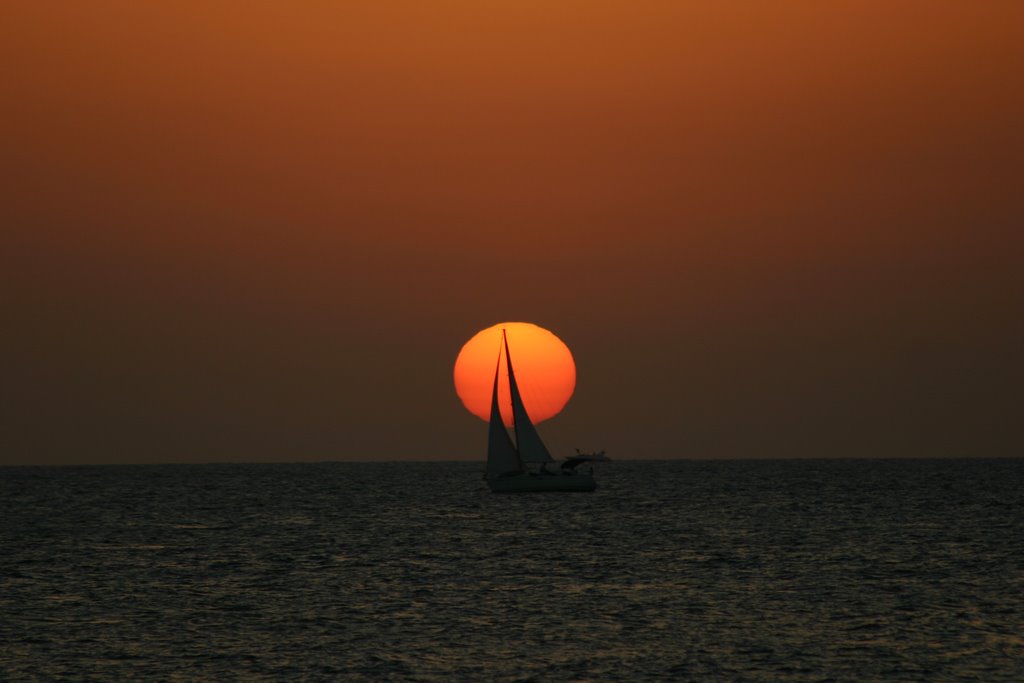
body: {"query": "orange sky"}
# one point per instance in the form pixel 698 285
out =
pixel 262 231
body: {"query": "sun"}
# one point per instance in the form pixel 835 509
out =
pixel 544 367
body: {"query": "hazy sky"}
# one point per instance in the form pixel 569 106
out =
pixel 262 231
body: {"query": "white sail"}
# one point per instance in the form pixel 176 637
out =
pixel 531 448
pixel 501 454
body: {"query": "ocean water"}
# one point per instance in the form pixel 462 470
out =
pixel 686 570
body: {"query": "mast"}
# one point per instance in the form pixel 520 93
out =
pixel 502 456
pixel 511 381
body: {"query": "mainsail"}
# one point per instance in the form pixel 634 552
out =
pixel 501 453
pixel 531 448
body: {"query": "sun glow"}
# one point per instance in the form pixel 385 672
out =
pixel 544 367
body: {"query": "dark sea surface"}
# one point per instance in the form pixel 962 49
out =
pixel 686 570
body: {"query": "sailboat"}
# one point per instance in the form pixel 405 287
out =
pixel 508 463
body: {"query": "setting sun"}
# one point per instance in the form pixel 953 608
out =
pixel 543 365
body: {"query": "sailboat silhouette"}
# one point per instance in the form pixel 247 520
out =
pixel 508 462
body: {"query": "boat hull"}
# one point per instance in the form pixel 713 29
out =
pixel 534 483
